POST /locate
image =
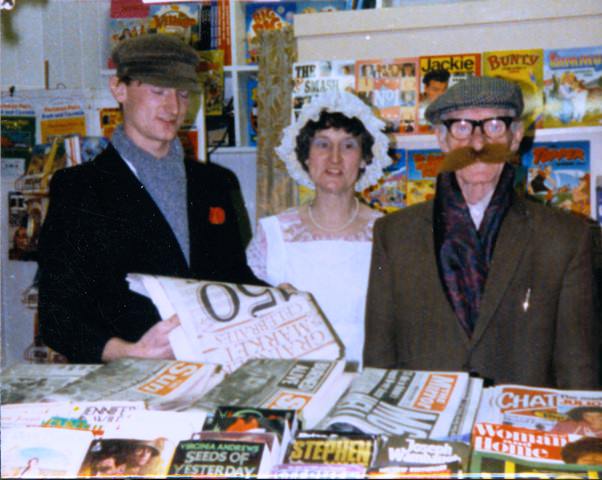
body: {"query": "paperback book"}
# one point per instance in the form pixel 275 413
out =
pixel 220 458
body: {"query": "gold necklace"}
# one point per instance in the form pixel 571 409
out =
pixel 337 229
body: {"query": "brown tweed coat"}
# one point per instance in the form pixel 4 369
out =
pixel 537 324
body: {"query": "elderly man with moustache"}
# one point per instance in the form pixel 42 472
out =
pixel 482 279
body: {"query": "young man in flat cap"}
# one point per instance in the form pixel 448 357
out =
pixel 480 279
pixel 141 207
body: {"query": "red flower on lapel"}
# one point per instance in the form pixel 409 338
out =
pixel 217 215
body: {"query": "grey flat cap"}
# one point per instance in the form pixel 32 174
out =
pixel 485 92
pixel 158 59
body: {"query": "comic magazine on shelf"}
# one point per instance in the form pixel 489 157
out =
pixel 176 19
pixel 262 16
pixel 313 78
pixel 391 87
pixel 423 167
pixel 558 173
pixel 573 87
pixel 389 194
pixel 438 73
pixel 320 6
pixel 524 67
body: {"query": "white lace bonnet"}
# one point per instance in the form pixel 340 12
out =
pixel 351 106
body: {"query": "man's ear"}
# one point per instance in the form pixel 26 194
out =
pixel 118 89
pixel 441 134
pixel 518 131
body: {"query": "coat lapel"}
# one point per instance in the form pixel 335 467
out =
pixel 513 238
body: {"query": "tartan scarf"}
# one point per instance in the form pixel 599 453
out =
pixel 463 253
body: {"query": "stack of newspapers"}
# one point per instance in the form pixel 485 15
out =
pixel 259 389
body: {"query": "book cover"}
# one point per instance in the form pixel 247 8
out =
pixel 109 118
pixel 423 167
pixel 37 452
pixel 26 215
pixel 332 448
pixel 313 78
pixel 573 87
pixel 524 67
pixel 224 41
pixel 558 173
pixel 180 19
pixel 389 194
pixel 391 87
pixel 438 73
pixel 320 6
pixel 62 116
pixel 252 109
pixel 124 28
pixel 17 130
pixel 265 16
pixel 599 198
pixel 220 458
pixel 404 455
pixel 129 9
pixel 211 76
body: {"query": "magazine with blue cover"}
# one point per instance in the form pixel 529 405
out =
pixel 558 174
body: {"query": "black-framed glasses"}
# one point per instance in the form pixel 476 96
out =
pixel 463 128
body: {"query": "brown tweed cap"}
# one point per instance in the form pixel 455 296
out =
pixel 485 92
pixel 158 59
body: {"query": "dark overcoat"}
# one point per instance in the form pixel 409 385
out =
pixel 101 225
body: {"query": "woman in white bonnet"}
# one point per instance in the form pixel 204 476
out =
pixel 335 147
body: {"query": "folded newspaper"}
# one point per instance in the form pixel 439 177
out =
pixel 230 323
pixel 30 382
pixel 421 404
pixel 310 387
pixel 160 384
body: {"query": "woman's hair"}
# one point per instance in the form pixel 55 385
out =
pixel 336 120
